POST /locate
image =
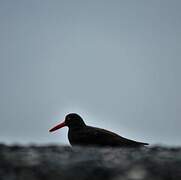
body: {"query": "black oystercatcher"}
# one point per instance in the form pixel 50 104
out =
pixel 81 134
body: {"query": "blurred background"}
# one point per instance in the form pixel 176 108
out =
pixel 116 63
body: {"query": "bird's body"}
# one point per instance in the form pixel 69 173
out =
pixel 93 136
pixel 81 134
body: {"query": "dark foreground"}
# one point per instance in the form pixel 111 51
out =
pixel 66 163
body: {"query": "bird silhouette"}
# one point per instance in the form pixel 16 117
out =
pixel 83 135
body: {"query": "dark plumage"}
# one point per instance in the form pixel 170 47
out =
pixel 81 134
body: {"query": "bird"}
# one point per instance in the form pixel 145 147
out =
pixel 80 134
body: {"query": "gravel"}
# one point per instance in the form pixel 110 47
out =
pixel 52 162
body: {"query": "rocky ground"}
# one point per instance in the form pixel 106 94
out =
pixel 66 163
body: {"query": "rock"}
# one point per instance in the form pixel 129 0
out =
pixel 66 163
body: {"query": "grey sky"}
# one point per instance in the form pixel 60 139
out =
pixel 117 63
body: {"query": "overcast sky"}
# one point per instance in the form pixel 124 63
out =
pixel 115 62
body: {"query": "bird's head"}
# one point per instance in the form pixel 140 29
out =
pixel 72 120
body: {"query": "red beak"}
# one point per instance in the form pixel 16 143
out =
pixel 58 127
